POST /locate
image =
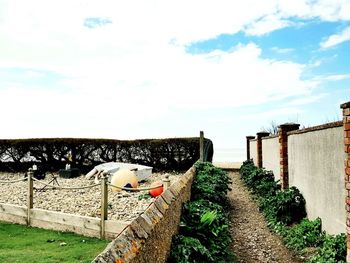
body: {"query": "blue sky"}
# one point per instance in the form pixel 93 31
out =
pixel 153 69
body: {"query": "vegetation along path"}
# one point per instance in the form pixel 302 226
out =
pixel 252 239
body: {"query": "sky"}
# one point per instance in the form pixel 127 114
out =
pixel 159 68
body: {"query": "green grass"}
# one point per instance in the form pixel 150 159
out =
pixel 27 244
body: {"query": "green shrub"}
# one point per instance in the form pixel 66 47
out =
pixel 188 249
pixel 210 183
pixel 205 218
pixel 208 222
pixel 287 206
pixel 333 250
pixel 306 234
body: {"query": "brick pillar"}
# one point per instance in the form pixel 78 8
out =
pixel 346 125
pixel 248 145
pixel 283 129
pixel 260 135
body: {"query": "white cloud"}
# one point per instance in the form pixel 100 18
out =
pixel 133 76
pixel 336 77
pixel 282 50
pixel 336 39
pixel 266 25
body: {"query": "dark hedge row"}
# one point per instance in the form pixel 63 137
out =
pixel 52 154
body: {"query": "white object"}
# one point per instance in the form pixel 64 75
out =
pixel 35 167
pixel 142 172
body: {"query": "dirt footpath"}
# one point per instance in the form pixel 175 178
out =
pixel 252 240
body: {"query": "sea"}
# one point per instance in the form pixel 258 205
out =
pixel 229 154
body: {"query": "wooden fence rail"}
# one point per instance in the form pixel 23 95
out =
pixel 89 226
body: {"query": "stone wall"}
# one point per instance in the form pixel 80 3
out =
pixel 148 238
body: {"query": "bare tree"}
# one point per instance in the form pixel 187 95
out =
pixel 272 128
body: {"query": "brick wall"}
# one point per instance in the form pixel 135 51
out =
pixel 283 141
pixel 346 126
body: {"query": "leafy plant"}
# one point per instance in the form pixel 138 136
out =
pixel 287 206
pixel 205 218
pixel 306 234
pixel 333 250
pixel 210 183
pixel 188 249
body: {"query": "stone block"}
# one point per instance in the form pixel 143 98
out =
pixel 145 223
pixel 138 230
pixel 168 196
pixel 161 204
pixel 153 214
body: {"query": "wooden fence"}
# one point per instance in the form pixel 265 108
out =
pixel 84 225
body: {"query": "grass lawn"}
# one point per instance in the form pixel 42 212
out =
pixel 28 244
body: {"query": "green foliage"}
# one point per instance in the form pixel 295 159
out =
pixel 205 218
pixel 188 249
pixel 27 244
pixel 287 206
pixel 333 250
pixel 210 183
pixel 284 210
pixel 306 234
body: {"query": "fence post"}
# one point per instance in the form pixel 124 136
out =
pixel 29 194
pixel 166 182
pixel 201 146
pixel 248 138
pixel 283 130
pixel 104 205
pixel 346 126
pixel 260 135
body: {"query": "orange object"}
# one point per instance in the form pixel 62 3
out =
pixel 157 191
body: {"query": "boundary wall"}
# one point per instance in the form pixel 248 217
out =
pixel 311 159
pixel 253 151
pixel 271 154
pixel 148 238
pixel 316 168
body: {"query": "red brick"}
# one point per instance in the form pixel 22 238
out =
pixel 346 134
pixel 347 148
pixel 347 141
pixel 347 200
pixel 346 119
pixel 347 170
pixel 348 241
pixel 347 126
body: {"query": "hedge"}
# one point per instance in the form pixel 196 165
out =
pixel 51 154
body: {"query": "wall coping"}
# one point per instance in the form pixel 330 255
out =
pixel 253 140
pixel 270 137
pixel 317 128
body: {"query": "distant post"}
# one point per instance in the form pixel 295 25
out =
pixel 248 138
pixel 346 126
pixel 260 135
pixel 104 205
pixel 166 182
pixel 29 194
pixel 283 130
pixel 201 146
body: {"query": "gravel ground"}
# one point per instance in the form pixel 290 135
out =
pixel 252 239
pixel 123 205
